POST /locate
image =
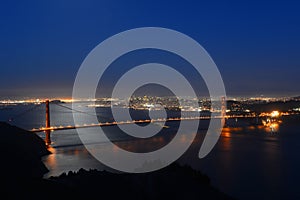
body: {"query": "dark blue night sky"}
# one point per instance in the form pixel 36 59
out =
pixel 255 44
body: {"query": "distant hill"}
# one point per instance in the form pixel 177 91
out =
pixel 270 106
pixel 296 98
pixel 264 106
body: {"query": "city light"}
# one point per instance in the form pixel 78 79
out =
pixel 275 113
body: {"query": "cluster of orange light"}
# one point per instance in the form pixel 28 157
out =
pixel 274 113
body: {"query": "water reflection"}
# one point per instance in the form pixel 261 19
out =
pixel 50 160
pixel 69 158
pixel 147 145
pixel 226 141
pixel 267 127
pixel 274 127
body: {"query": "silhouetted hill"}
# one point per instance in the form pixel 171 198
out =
pixel 172 182
pixel 21 152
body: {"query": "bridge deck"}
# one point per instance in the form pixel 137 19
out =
pixel 55 128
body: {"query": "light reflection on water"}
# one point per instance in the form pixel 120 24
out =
pixel 68 153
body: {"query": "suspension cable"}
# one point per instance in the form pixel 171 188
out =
pixel 79 111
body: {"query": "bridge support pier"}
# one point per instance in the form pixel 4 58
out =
pixel 47 132
pixel 47 138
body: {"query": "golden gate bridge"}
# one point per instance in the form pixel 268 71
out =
pixel 48 128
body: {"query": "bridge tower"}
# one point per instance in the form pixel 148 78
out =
pixel 223 110
pixel 47 138
pixel 223 106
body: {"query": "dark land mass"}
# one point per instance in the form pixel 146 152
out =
pixel 22 173
pixel 264 106
pixel 21 152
